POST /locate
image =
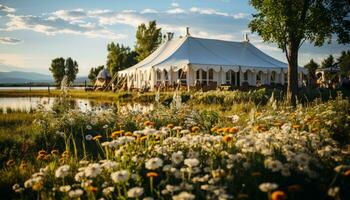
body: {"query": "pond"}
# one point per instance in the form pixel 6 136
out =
pixel 34 88
pixel 26 104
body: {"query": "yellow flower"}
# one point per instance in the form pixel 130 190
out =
pixel 10 163
pixel 278 195
pixel 170 126
pixel 54 152
pixel 97 137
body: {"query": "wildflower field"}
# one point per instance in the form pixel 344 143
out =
pixel 250 149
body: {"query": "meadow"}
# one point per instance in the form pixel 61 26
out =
pixel 212 145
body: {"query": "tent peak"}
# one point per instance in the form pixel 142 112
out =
pixel 188 31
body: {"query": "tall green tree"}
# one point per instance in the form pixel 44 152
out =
pixel 328 62
pixel 290 22
pixel 119 57
pixel 311 67
pixel 94 72
pixel 148 39
pixel 344 63
pixel 57 69
pixel 71 69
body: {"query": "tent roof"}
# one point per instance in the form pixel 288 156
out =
pixel 212 53
pixel 103 74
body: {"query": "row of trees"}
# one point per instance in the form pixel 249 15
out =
pixel 120 57
pixel 343 62
pixel 61 67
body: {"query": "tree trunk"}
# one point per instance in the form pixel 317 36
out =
pixel 292 88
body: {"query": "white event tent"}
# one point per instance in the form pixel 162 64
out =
pixel 193 61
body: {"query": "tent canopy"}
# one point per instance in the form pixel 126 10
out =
pixel 103 75
pixel 203 53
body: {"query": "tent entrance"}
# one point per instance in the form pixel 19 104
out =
pixel 232 78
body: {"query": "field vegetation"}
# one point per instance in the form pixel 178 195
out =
pixel 213 145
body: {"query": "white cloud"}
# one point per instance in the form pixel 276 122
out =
pixel 175 11
pixel 6 9
pixel 240 15
pixel 174 4
pixel 52 26
pixel 9 40
pixel 148 10
pixel 208 11
pixel 70 15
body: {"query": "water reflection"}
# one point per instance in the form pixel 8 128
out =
pixel 27 104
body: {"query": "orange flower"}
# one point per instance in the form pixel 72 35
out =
pixel 278 124
pixel 347 173
pixel 170 126
pixel 42 152
pixel 294 188
pixel 261 128
pixel 92 189
pixel 214 129
pixel 296 126
pixel 314 130
pixel 37 186
pixel 10 163
pixel 233 130
pixel 97 137
pixel 255 174
pixel 128 133
pixel 194 129
pixel 116 133
pixel 278 195
pixel 227 138
pixel 152 174
pixel 225 130
pixel 148 123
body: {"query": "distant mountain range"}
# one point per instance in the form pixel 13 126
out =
pixel 26 77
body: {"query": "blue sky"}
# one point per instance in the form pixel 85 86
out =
pixel 33 32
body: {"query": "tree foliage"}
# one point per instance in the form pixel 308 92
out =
pixel 60 67
pixel 94 72
pixel 119 57
pixel 148 39
pixel 328 62
pixel 311 67
pixel 288 23
pixel 57 69
pixel 71 68
pixel 344 63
